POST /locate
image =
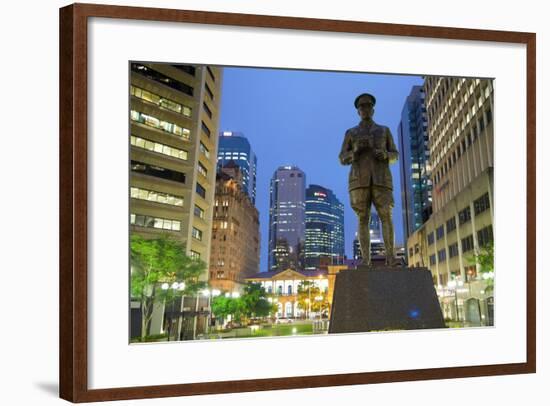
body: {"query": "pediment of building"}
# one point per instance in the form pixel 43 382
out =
pixel 289 274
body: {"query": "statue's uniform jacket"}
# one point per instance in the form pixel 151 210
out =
pixel 366 169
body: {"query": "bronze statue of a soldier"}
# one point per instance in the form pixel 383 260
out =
pixel 369 149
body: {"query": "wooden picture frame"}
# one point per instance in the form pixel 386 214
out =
pixel 73 208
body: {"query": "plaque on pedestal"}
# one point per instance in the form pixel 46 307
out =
pixel 384 298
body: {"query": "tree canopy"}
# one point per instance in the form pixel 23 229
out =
pixel 157 261
pixel 310 297
pixel 252 303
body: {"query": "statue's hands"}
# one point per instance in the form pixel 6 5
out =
pixel 380 154
pixel 360 145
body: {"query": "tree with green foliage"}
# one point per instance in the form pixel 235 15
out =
pixel 485 258
pixel 220 306
pixel 310 298
pixel 252 303
pixel 256 301
pixel 224 306
pixel 157 261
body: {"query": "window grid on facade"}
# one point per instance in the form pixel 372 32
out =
pixel 210 73
pixel 464 215
pixel 485 236
pixel 154 196
pixel 451 224
pixel 161 78
pixel 209 91
pixel 481 204
pixel 201 191
pixel 199 212
pixel 159 124
pixel 157 171
pixel 207 110
pixel 160 101
pixel 189 69
pixel 205 129
pixel 158 148
pixel 204 150
pixel 196 234
pixel 467 243
pixel 202 169
pixel 453 250
pixel 442 255
pixel 155 222
pixel 440 232
pixel 431 239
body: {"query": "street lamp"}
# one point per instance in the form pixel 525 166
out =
pixel 207 294
pixel 453 286
pixel 176 286
pixel 309 299
pixel 319 299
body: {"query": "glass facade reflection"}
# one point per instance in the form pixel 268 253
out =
pixel 324 242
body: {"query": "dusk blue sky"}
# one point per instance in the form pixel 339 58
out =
pixel 294 117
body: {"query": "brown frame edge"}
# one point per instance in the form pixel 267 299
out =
pixel 73 202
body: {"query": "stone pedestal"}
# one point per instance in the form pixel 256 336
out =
pixel 384 298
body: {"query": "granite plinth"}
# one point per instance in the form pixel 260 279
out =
pixel 382 298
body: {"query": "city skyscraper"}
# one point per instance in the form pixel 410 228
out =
pixel 460 128
pixel 234 146
pixel 174 113
pixel 376 240
pixel 414 167
pixel 287 218
pixel 324 238
pixel 174 126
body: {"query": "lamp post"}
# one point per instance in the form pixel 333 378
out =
pixel 319 299
pixel 176 286
pixel 453 286
pixel 206 293
pixel 320 295
pixel 213 293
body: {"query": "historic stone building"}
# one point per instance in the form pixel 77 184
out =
pixel 235 252
pixel 282 286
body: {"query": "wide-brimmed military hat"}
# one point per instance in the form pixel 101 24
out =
pixel 362 95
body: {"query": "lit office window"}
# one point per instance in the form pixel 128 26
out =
pixel 154 122
pixel 155 222
pixel 153 196
pixel 197 234
pixel 158 147
pixel 204 150
pixel 199 212
pixel 202 169
pixel 160 101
